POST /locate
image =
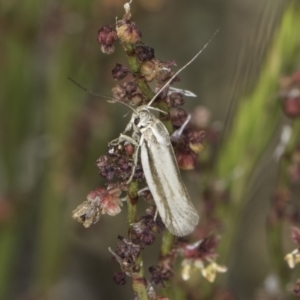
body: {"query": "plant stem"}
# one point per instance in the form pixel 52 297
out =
pixel 139 283
pixel 167 243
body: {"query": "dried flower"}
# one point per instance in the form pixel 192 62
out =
pixel 143 230
pixel 291 107
pixel 159 276
pixel 186 160
pixel 110 202
pixel 105 201
pixel 209 271
pixel 117 163
pixel 292 258
pixel 295 235
pixel 200 255
pixel 176 99
pixel 106 38
pixel 296 288
pixel 118 93
pixel 178 116
pixel 137 99
pixel 119 278
pixel 119 72
pixel 164 271
pixel 144 52
pixel 87 213
pixel 148 70
pixel 124 92
pixel 126 255
pixel 130 87
pixel 128 32
pixel 290 92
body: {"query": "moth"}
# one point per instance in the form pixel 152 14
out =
pixel 150 136
pixel 161 171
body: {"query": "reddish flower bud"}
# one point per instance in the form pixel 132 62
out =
pixel 129 33
pixel 291 107
pixel 296 77
pixel 129 149
pixel 295 235
pixel 119 72
pixel 196 138
pixel 176 99
pixel 296 288
pixel 130 87
pixel 118 93
pixel 148 70
pixel 186 160
pixel 87 213
pixel 178 116
pixel 111 203
pixel 137 99
pixel 144 53
pixel 119 278
pixel 106 38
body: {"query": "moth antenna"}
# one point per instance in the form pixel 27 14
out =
pixel 91 92
pixel 112 100
pixel 182 68
pixel 157 109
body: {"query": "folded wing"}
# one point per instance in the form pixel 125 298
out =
pixel 170 195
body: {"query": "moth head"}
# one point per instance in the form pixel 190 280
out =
pixel 142 118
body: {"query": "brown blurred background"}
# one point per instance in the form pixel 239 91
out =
pixel 52 132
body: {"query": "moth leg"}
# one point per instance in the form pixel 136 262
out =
pixel 126 138
pixel 156 213
pixel 135 157
pixel 123 138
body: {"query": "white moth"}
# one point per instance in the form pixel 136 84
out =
pixel 160 166
pixel 161 171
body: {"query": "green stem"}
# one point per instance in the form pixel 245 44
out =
pixel 167 243
pixel 139 283
pixel 132 200
pixel 257 112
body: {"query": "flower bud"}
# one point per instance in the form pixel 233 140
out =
pixel 186 160
pixel 119 278
pixel 118 92
pixel 106 38
pixel 196 147
pixel 129 33
pixel 148 70
pixel 130 87
pixel 296 77
pixel 195 138
pixel 176 99
pixel 291 107
pixel 178 116
pixel 296 288
pixel 144 53
pixel 119 72
pixel 129 149
pixel 137 99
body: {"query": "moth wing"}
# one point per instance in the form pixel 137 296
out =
pixel 170 195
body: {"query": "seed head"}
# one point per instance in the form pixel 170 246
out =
pixel 128 32
pixel 144 53
pixel 119 72
pixel 106 38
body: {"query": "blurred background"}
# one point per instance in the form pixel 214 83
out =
pixel 52 132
